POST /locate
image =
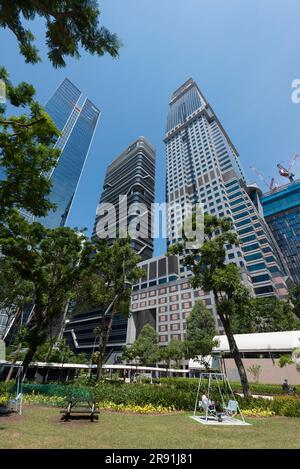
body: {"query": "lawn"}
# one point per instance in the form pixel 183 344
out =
pixel 40 427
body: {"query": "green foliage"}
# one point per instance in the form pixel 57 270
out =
pixel 179 394
pixel 211 273
pixel 27 154
pixel 294 297
pixel 145 350
pixel 174 351
pixel 70 25
pixel 112 269
pixel 200 331
pixel 61 353
pixel 190 384
pixel 255 371
pixel 265 315
pixel 52 261
pixel 285 360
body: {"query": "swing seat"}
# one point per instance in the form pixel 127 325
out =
pixel 231 409
pixel 211 411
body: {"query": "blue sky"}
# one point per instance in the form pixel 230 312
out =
pixel 244 55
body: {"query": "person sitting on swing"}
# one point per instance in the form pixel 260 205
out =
pixel 207 403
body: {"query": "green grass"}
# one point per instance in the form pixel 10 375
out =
pixel 40 427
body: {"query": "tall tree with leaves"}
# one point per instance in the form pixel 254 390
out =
pixel 211 273
pixel 200 332
pixel 26 153
pixel 173 351
pixel 265 315
pixel 70 25
pixel 107 284
pixel 15 292
pixel 145 350
pixel 53 262
pixel 294 297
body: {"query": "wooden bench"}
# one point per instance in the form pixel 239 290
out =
pixel 72 408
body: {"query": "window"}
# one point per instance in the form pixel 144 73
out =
pixel 262 290
pixel 260 278
pixel 254 267
pixel 253 257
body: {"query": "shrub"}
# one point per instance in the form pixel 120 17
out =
pixel 146 409
pixel 191 384
pixel 258 412
pixel 287 406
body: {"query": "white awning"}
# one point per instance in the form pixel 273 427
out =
pixel 264 342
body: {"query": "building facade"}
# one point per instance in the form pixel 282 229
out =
pixel 129 189
pixel 130 179
pixel 282 213
pixel 203 167
pixel 77 122
pixel 164 300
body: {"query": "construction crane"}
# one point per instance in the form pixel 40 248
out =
pixel 270 185
pixel 287 173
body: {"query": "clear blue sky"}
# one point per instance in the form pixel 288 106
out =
pixel 244 55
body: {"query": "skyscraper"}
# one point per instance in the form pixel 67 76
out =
pixel 77 123
pixel 129 187
pixel 129 180
pixel 203 167
pixel 282 213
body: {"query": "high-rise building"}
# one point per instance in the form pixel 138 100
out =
pixel 129 180
pixel 77 122
pixel 282 213
pixel 129 187
pixel 203 167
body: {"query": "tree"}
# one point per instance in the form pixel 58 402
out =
pixel 174 351
pixel 15 292
pixel 26 153
pixel 200 332
pixel 53 261
pixel 70 25
pixel 294 297
pixel 145 350
pixel 265 315
pixel 210 272
pixel 255 370
pixel 107 285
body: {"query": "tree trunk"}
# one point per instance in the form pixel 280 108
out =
pixel 13 362
pixel 236 355
pixel 105 332
pixel 59 332
pixel 28 359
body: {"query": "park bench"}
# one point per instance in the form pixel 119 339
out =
pixel 80 401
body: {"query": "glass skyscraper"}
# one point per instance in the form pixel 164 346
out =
pixel 130 176
pixel 282 213
pixel 77 123
pixel 203 167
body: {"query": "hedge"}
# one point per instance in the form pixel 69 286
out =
pixel 191 384
pixel 164 396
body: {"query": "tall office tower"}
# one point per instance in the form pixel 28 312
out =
pixel 282 213
pixel 203 167
pixel 131 175
pixel 129 187
pixel 77 123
